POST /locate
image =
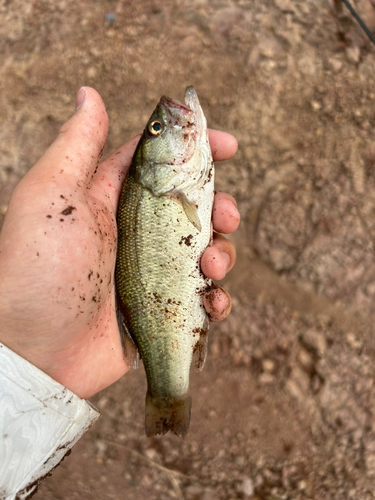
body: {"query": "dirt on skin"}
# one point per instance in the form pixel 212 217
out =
pixel 284 408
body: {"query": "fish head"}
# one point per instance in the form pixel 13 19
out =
pixel 169 141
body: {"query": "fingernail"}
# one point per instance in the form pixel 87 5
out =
pixel 80 99
pixel 229 305
pixel 236 214
pixel 218 303
pixel 226 258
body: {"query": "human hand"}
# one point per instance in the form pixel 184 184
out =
pixel 58 252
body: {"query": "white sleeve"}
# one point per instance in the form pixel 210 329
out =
pixel 40 421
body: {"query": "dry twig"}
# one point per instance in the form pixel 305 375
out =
pixel 171 473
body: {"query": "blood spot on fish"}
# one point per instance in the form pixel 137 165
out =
pixel 89 275
pixel 49 216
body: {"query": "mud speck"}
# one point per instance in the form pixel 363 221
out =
pixel 186 240
pixel 68 210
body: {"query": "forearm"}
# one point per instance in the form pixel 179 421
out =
pixel 40 421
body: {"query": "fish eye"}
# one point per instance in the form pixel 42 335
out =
pixel 155 127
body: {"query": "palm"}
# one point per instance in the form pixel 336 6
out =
pixel 72 305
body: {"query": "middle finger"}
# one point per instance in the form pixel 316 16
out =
pixel 219 258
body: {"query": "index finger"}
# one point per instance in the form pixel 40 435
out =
pixel 223 145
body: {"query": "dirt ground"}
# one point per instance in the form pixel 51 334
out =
pixel 284 408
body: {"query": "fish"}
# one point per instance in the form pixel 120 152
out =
pixel 164 225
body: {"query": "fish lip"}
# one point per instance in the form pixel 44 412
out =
pixel 170 103
pixel 175 113
pixel 191 98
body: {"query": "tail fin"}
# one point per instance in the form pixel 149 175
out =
pixel 162 417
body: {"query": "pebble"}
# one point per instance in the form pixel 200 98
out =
pixel 336 64
pixel 266 378
pixel 247 487
pixel 268 365
pixel 316 341
pixel 91 72
pixel 285 5
pixel 353 54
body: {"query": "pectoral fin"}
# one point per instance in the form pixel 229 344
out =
pixel 131 353
pixel 191 212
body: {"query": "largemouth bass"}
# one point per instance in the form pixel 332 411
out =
pixel 164 225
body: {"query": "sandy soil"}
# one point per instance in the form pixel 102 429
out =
pixel 284 408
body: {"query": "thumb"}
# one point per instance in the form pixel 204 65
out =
pixel 78 147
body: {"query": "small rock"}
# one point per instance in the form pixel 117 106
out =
pixel 307 65
pixel 316 106
pixel 269 47
pixel 336 64
pixel 353 54
pixel 152 454
pixel 91 72
pixel 281 259
pixel 315 341
pixel 266 378
pixel 268 365
pixel 271 477
pixel 302 485
pixel 305 359
pixel 285 5
pixel 370 288
pixel 254 57
pixel 298 385
pixel 102 403
pixel 193 491
pixel 353 341
pixel 247 487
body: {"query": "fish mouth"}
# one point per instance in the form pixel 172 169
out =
pixel 170 103
pixel 179 113
pixel 190 105
pixel 176 112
